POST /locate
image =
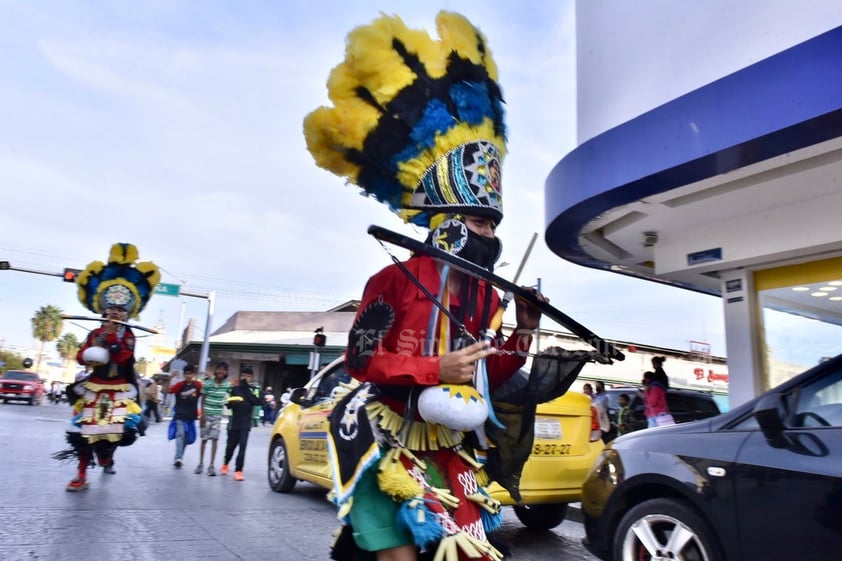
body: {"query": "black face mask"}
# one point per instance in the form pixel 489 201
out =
pixel 454 236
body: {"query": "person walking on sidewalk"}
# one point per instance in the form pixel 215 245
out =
pixel 600 401
pixel 241 403
pixel 214 393
pixel 257 410
pixel 185 412
pixel 152 401
pixel 655 401
pixel 268 407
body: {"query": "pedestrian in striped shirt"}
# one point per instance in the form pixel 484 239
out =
pixel 214 395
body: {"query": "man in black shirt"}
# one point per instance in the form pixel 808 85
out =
pixel 241 402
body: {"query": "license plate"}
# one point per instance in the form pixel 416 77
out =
pixel 549 429
pixel 553 449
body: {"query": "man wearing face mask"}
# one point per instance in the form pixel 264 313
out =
pixel 418 125
pixel 105 402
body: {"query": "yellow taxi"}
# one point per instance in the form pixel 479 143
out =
pixel 565 447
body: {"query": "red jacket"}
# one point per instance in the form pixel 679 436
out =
pixel 120 347
pixel 655 399
pixel 386 343
pixel 123 338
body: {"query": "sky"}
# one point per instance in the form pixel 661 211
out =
pixel 177 126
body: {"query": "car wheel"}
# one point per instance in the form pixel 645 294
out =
pixel 665 529
pixel 541 516
pixel 280 479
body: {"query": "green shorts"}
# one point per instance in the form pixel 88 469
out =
pixel 374 516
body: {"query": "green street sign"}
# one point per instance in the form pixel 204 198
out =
pixel 165 289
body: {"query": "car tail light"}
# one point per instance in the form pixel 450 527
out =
pixel 596 433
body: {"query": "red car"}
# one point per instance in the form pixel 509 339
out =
pixel 21 385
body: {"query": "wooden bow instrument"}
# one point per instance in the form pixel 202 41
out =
pixel 103 320
pixel 604 347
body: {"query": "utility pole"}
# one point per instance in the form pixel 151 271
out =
pixel 203 354
pixel 69 275
pixel 538 329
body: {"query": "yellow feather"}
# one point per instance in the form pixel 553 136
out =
pixel 322 131
pixel 93 268
pixel 460 35
pixel 123 253
pixel 146 267
pixel 373 60
pixel 374 65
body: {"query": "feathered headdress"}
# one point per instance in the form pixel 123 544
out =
pixel 121 282
pixel 417 123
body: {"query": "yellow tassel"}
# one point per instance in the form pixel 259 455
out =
pixel 445 497
pixel 452 553
pixel 484 548
pixel 345 509
pixel 441 550
pixel 393 479
pixel 467 546
pixel 413 458
pixel 490 505
pixel 469 458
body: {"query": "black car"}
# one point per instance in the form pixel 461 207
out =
pixel 763 481
pixel 684 405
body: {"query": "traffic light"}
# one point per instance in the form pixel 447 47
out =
pixel 71 274
pixel 319 339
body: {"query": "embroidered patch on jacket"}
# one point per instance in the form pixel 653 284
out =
pixel 368 331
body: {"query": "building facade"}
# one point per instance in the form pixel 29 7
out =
pixel 710 159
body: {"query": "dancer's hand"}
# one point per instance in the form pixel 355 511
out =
pixel 457 367
pixel 528 315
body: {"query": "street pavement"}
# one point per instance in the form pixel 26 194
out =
pixel 151 511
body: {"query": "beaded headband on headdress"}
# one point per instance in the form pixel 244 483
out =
pixel 417 123
pixel 119 283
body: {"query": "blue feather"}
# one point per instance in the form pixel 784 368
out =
pixel 472 102
pixel 435 120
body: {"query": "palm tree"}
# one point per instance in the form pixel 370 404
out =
pixel 67 347
pixel 142 366
pixel 46 326
pixel 10 361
